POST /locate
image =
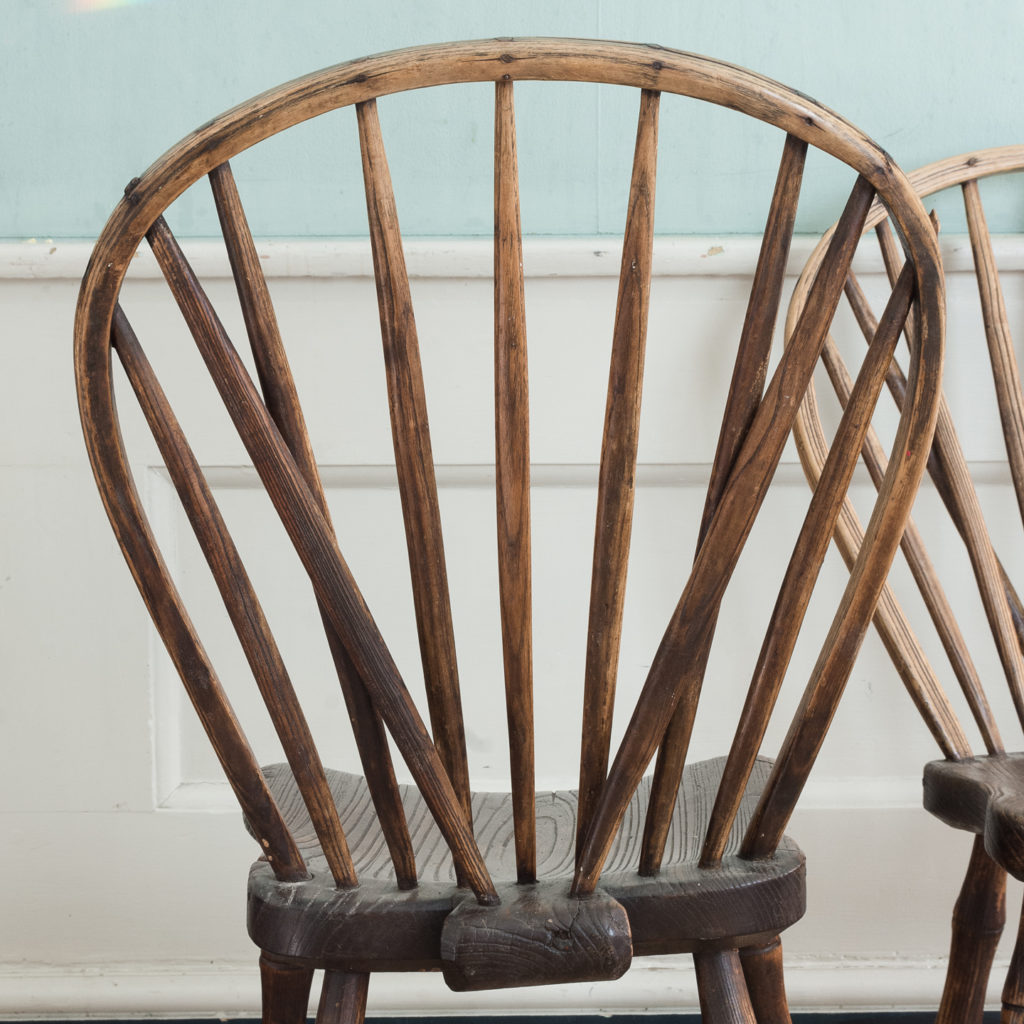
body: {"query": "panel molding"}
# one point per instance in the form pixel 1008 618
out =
pixel 652 984
pixel 674 256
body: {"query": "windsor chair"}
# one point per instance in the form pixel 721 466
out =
pixel 983 795
pixel 359 874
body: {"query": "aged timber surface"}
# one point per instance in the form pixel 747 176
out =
pixel 683 908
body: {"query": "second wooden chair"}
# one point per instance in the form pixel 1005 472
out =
pixel 983 795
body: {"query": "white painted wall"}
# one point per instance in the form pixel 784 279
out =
pixel 123 858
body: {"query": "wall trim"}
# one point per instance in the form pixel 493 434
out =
pixel 657 984
pixel 674 256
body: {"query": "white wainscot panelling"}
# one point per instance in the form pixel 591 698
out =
pixel 119 817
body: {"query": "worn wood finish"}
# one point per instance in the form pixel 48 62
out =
pixel 717 557
pixel 616 483
pixel 343 998
pixel 958 491
pixel 978 919
pixel 413 459
pixel 376 927
pixel 282 400
pixel 762 970
pixel 1000 342
pixel 424 834
pixel 892 626
pixel 745 391
pixel 802 570
pixel 240 600
pixel 914 668
pixel 982 795
pixel 285 990
pixel 318 550
pixel 512 476
pixel 1013 988
pixel 722 988
pixel 536 931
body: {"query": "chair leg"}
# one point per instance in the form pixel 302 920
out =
pixel 1013 990
pixel 343 999
pixel 762 969
pixel 978 919
pixel 285 991
pixel 722 989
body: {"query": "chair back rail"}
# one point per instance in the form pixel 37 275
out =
pixel 757 421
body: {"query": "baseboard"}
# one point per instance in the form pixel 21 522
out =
pixel 842 988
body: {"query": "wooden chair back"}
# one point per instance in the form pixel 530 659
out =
pixel 268 417
pixel 949 472
pixel 983 795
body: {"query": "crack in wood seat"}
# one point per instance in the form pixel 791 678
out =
pixel 684 908
pixel 984 794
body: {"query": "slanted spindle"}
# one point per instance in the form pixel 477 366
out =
pixel 512 483
pixel 413 459
pixel 954 484
pixel 616 482
pixel 892 626
pixel 745 490
pixel 186 651
pixel 282 400
pixel 240 600
pixel 745 392
pixel 802 571
pixel 315 544
pixel 1000 342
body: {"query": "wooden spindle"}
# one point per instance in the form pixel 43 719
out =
pixel 802 572
pixel 948 468
pixel 413 459
pixel 282 400
pixel 891 622
pixel 512 486
pixel 1005 372
pixel 240 600
pixel 744 492
pixel 745 390
pixel 317 549
pixel 616 482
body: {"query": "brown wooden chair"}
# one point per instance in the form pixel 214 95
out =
pixel 638 866
pixel 979 794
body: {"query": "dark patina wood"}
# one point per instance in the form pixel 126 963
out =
pixel 983 795
pixel 361 874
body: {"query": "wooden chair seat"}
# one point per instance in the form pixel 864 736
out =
pixel 679 910
pixel 983 795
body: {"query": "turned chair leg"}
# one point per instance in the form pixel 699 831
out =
pixel 1013 990
pixel 722 988
pixel 343 998
pixel 978 919
pixel 762 970
pixel 285 991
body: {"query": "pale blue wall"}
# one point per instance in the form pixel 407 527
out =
pixel 89 98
